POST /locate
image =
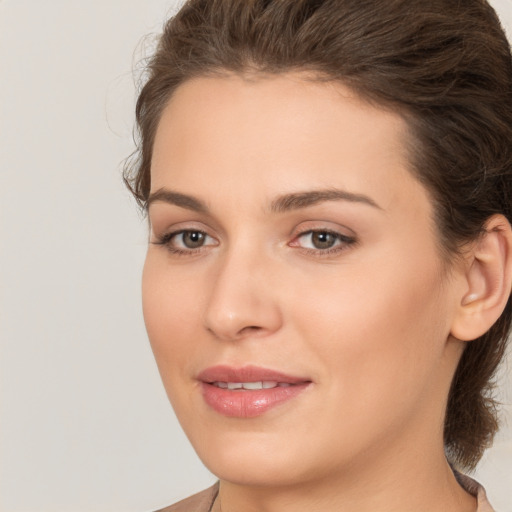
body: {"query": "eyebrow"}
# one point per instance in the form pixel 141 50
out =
pixel 177 199
pixel 298 200
pixel 284 203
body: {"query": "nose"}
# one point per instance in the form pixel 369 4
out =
pixel 243 299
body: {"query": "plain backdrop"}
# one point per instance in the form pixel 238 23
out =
pixel 85 424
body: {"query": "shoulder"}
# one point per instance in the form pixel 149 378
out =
pixel 200 502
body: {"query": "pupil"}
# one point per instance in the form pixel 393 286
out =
pixel 193 239
pixel 323 240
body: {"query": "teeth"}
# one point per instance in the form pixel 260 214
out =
pixel 250 385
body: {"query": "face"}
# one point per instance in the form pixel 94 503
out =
pixel 292 250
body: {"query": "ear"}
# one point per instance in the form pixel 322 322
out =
pixel 488 281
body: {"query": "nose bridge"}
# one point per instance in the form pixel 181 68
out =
pixel 242 301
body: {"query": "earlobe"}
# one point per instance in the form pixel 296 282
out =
pixel 488 278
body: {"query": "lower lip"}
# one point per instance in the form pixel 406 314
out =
pixel 248 403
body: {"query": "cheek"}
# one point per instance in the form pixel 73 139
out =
pixel 169 302
pixel 377 331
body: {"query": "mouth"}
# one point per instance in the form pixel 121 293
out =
pixel 249 391
pixel 249 386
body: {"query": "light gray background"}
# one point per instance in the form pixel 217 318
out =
pixel 85 424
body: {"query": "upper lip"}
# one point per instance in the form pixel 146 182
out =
pixel 224 373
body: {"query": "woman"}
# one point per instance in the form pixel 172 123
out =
pixel 327 282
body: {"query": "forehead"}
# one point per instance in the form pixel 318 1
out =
pixel 281 131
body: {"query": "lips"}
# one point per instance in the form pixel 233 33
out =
pixel 249 391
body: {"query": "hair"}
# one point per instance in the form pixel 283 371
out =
pixel 444 65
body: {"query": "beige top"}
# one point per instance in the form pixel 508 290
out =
pixel 474 488
pixel 203 501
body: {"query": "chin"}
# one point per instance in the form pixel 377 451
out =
pixel 260 458
pixel 238 470
pixel 246 458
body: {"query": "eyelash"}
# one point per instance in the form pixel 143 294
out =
pixel 344 242
pixel 165 240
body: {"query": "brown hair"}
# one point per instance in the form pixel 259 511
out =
pixel 445 65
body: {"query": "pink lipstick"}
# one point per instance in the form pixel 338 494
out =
pixel 249 391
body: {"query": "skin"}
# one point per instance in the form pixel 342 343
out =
pixel 368 323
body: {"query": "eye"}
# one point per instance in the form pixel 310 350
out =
pixel 322 240
pixel 186 240
pixel 190 239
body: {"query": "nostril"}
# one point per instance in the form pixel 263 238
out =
pixel 250 330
